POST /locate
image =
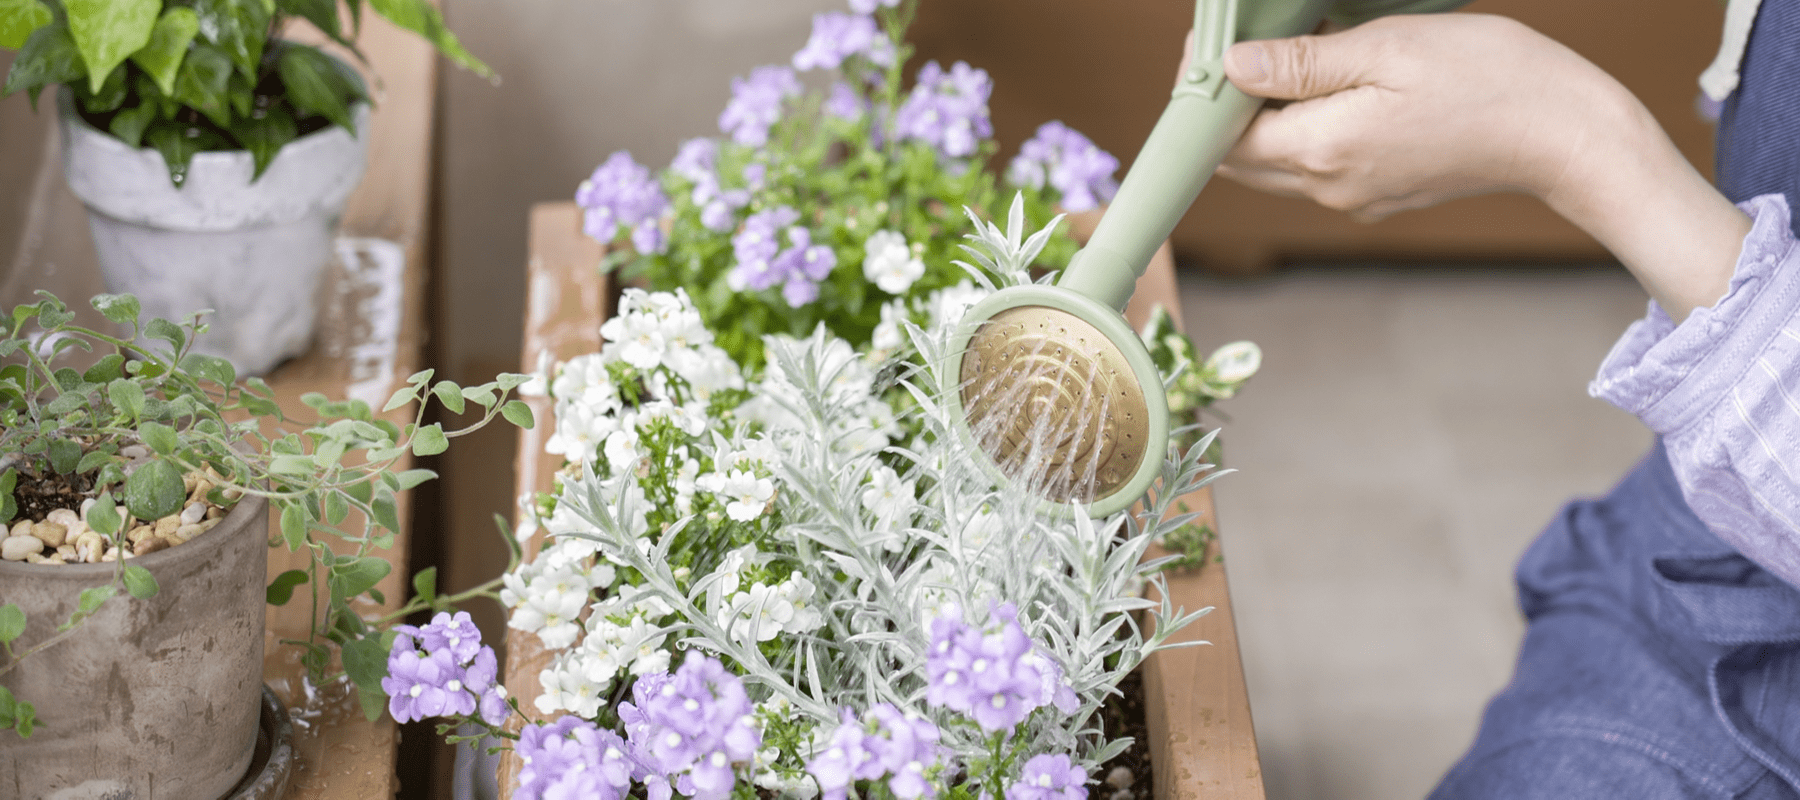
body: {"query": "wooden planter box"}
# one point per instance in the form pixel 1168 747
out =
pixel 1202 742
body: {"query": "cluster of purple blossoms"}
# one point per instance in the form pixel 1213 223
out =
pixel 756 104
pixel 762 263
pixel 622 192
pixel 844 103
pixel 688 728
pixel 885 743
pixel 947 110
pixel 696 162
pixel 1049 777
pixel 996 677
pixel 570 759
pixel 443 670
pixel 1070 163
pixel 837 36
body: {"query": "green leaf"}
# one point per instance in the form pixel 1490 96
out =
pixel 293 525
pixel 281 589
pixel 64 455
pixel 161 57
pixel 509 381
pixel 12 621
pixel 420 17
pixel 154 490
pixel 18 18
pixel 264 132
pixel 400 398
pixel 127 396
pixel 317 85
pixel 107 98
pixel 361 492
pixel 108 368
pixel 413 477
pixel 291 465
pixel 104 516
pixel 203 82
pixel 211 368
pixel 178 142
pixel 518 413
pixel 93 597
pixel 450 395
pixel 336 508
pixel 48 57
pixel 365 663
pixel 482 395
pixel 383 511
pixel 129 124
pixel 323 14
pixel 239 28
pixel 429 440
pixel 358 574
pixel 424 585
pixel 106 31
pixel 139 582
pixel 160 438
pixel 92 461
pixel 167 331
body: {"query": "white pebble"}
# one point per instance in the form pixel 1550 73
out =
pixel 193 513
pixel 16 548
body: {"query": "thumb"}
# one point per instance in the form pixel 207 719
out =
pixel 1297 68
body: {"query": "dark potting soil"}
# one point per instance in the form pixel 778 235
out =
pixel 1123 715
pixel 39 495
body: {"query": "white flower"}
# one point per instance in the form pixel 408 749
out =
pixel 566 687
pixel 889 263
pixel 686 481
pixel 949 305
pixel 622 450
pixel 639 338
pixel 888 335
pixel 745 495
pixel 584 380
pixel 552 615
pixel 890 499
pixel 757 615
pixel 798 593
pixel 580 429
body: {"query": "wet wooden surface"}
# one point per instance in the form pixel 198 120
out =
pixel 370 337
pixel 1203 741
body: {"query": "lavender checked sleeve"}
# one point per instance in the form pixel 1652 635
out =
pixel 1723 390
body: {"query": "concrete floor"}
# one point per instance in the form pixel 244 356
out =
pixel 1411 431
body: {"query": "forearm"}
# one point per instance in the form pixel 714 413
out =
pixel 1628 186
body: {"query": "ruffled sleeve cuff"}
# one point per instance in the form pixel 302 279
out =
pixel 1670 375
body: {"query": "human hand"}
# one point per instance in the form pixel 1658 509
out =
pixel 1408 111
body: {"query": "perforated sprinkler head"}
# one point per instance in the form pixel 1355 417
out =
pixel 1061 396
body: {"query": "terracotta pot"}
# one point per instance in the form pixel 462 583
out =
pixel 156 698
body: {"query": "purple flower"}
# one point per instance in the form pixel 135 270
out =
pixel 419 686
pixel 1049 777
pixel 844 103
pixel 755 247
pixel 457 634
pixel 693 726
pixel 572 759
pixel 622 192
pixel 947 110
pixel 995 677
pixel 695 160
pixel 1069 163
pixel 868 6
pixel 884 743
pixel 756 104
pixel 837 36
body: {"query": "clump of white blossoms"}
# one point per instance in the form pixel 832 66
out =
pixel 891 264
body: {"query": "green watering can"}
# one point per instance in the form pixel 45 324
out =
pixel 1052 384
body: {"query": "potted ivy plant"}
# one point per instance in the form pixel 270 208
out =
pixel 214 156
pixel 135 466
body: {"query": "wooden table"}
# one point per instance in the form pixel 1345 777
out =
pixel 370 337
pixel 1203 743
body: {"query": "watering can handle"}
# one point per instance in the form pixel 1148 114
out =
pixel 1204 118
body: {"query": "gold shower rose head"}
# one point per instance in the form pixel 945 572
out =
pixel 1061 397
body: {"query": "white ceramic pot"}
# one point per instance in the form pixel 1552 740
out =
pixel 253 252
